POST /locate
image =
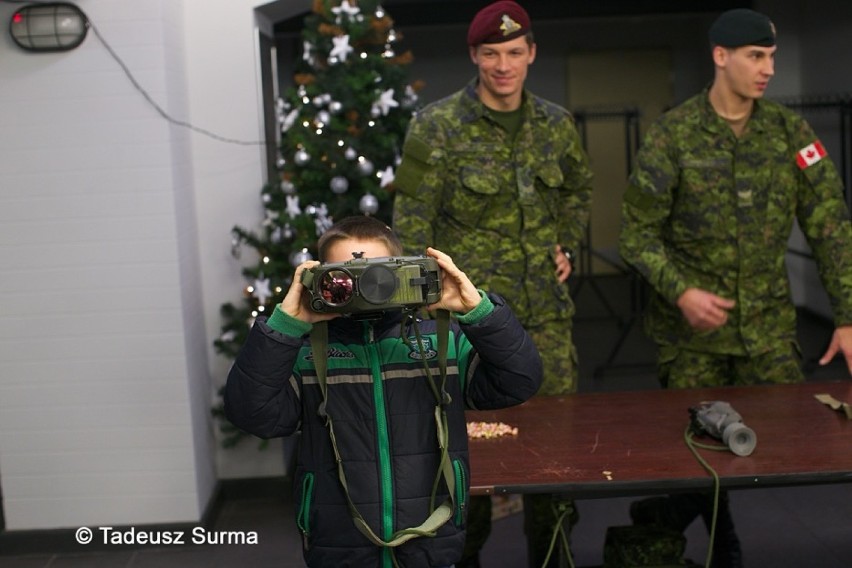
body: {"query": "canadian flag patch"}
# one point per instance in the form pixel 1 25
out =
pixel 810 154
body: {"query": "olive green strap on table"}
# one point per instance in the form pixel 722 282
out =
pixel 439 515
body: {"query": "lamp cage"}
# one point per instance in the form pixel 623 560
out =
pixel 56 26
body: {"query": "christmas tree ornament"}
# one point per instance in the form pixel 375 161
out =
pixel 301 158
pixel 287 232
pixel 345 9
pixel 365 166
pixel 275 236
pixel 386 102
pixel 369 204
pixel 410 97
pixel 339 184
pixel 288 120
pixel 318 101
pixel 260 289
pixel 380 12
pixel 322 222
pixel 298 257
pixel 288 187
pixel 341 48
pixel 266 198
pixel 350 153
pixel 311 209
pixel 271 218
pixel 335 107
pixel 323 117
pixel 293 209
pixel 280 162
pixel 387 176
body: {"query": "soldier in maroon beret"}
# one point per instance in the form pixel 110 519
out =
pixel 499 177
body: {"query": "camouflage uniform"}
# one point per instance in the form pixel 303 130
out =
pixel 498 207
pixel 705 209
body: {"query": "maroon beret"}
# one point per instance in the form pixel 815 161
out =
pixel 498 22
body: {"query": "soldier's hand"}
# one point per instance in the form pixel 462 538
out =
pixel 841 341
pixel 563 265
pixel 458 294
pixel 703 310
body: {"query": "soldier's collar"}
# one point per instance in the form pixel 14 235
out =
pixel 473 109
pixel 714 122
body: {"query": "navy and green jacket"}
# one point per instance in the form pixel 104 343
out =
pixel 383 412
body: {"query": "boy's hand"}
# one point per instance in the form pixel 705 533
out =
pixel 297 302
pixel 458 293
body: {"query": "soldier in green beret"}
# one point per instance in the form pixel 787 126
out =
pixel 718 183
pixel 497 177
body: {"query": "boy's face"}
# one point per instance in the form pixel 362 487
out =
pixel 341 251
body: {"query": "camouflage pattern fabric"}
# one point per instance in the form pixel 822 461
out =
pixel 705 209
pixel 683 368
pixel 558 355
pixel 497 206
pixel 648 546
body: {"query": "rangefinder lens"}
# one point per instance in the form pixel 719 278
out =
pixel 337 287
pixel 377 284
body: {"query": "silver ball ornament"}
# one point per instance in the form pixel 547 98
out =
pixel 298 257
pixel 288 187
pixel 301 158
pixel 365 167
pixel 335 107
pixel 369 204
pixel 339 184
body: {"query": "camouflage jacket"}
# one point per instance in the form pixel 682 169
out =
pixel 497 206
pixel 707 210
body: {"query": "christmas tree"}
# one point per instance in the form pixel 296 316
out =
pixel 342 124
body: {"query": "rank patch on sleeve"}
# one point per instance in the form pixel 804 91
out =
pixel 810 154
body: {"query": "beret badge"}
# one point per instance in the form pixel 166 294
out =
pixel 509 26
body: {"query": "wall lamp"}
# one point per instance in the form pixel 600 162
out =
pixel 56 26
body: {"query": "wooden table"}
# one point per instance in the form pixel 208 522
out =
pixel 632 442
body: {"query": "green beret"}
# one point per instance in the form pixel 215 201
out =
pixel 739 27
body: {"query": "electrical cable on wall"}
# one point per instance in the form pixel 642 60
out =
pixel 162 112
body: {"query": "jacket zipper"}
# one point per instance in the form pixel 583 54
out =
pixel 461 484
pixel 382 441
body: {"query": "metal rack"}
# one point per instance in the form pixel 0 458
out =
pixel 629 116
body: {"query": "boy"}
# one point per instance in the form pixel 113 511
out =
pixel 392 473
